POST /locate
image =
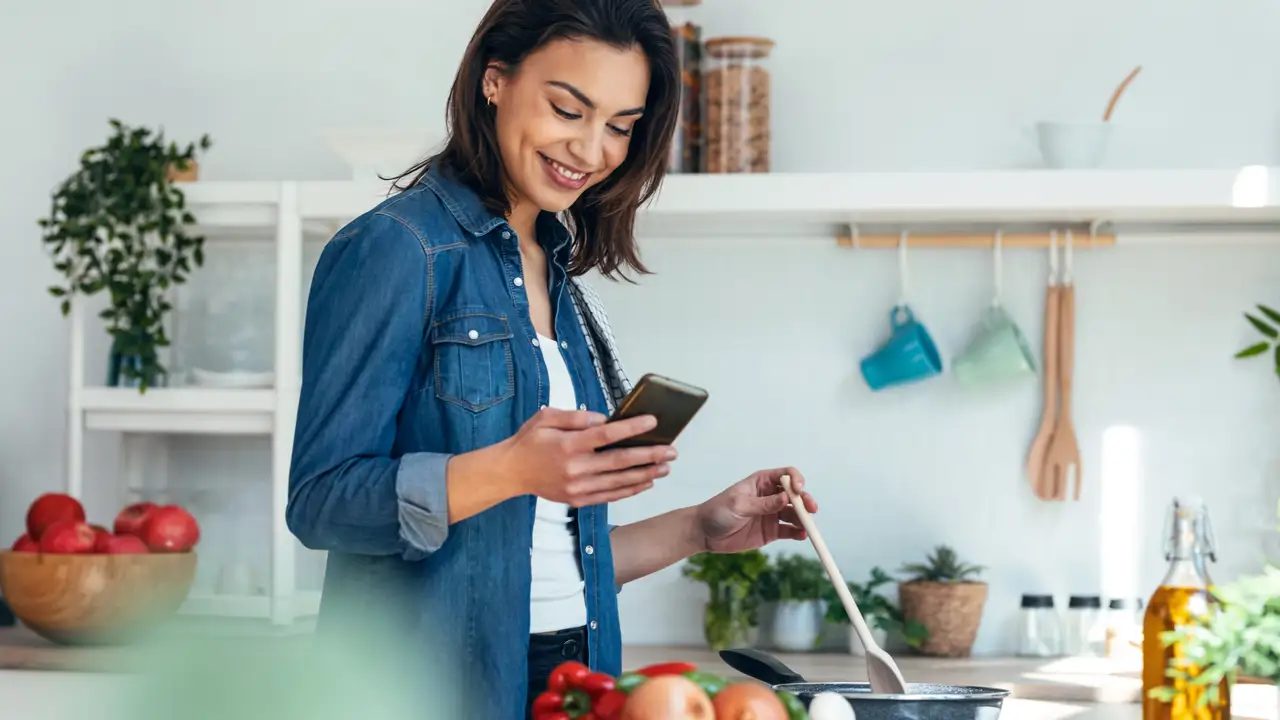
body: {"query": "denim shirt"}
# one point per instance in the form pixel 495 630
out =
pixel 418 346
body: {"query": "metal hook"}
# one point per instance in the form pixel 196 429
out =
pixel 853 235
pixel 998 268
pixel 903 275
pixel 1067 259
pixel 1053 257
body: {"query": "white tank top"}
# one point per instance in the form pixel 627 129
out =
pixel 556 596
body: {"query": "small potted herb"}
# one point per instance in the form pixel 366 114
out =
pixel 119 224
pixel 729 617
pixel 882 615
pixel 944 596
pixel 795 584
pixel 1240 636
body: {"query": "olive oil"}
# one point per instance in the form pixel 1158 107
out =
pixel 1185 593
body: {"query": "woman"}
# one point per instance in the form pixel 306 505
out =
pixel 457 373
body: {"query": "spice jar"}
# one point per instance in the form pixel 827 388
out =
pixel 737 120
pixel 1086 632
pixel 1124 627
pixel 1041 634
pixel 686 144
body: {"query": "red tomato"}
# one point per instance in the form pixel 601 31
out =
pixel 122 545
pixel 67 538
pixel 52 508
pixel 170 529
pixel 132 519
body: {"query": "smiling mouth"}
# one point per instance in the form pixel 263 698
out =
pixel 567 175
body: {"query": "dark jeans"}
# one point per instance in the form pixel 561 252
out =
pixel 546 652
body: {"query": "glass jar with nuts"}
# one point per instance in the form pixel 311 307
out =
pixel 736 120
pixel 686 145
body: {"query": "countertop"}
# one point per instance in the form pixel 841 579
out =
pixel 1057 689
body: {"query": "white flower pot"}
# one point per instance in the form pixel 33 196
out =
pixel 855 645
pixel 797 623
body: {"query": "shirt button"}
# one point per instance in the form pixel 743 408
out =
pixel 473 335
pixel 593 624
pixel 535 342
pixel 518 282
pixel 506 234
pixel 564 344
pixel 589 550
pixel 583 406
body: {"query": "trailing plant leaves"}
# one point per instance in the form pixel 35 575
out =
pixel 117 224
pixel 1239 635
pixel 1254 349
pixel 1272 315
pixel 1262 327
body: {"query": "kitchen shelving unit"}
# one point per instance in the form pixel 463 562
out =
pixel 1124 205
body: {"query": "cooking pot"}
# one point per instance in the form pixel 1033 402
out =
pixel 922 701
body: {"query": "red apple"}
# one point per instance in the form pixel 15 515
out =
pixel 171 529
pixel 68 538
pixel 26 544
pixel 133 518
pixel 52 508
pixel 121 545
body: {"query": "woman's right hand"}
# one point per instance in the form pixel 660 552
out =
pixel 554 456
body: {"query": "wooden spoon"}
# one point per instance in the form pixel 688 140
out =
pixel 1036 470
pixel 882 671
pixel 1063 457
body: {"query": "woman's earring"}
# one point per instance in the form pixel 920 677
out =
pixel 488 100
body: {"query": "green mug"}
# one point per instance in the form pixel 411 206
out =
pixel 997 354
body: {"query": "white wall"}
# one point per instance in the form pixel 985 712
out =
pixel 859 86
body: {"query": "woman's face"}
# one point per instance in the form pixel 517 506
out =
pixel 565 118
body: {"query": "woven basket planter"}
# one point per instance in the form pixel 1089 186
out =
pixel 951 612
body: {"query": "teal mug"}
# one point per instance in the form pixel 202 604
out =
pixel 998 354
pixel 909 355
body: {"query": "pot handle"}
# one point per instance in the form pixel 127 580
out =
pixel 760 665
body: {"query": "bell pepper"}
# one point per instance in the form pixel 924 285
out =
pixel 667 668
pixel 573 691
pixel 795 709
pixel 710 683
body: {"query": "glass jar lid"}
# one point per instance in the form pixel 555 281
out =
pixel 739 47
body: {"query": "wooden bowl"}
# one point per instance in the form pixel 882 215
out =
pixel 95 599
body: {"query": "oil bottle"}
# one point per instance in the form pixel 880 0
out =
pixel 1185 592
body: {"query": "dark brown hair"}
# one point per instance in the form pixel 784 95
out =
pixel 603 218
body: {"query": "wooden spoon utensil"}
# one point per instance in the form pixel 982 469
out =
pixel 1041 484
pixel 882 671
pixel 1062 459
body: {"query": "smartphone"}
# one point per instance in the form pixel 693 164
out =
pixel 672 402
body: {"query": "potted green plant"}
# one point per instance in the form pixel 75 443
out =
pixel 944 596
pixel 1240 636
pixel 882 615
pixel 1270 333
pixel 794 584
pixel 729 617
pixel 119 224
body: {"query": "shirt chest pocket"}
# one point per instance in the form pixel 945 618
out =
pixel 472 359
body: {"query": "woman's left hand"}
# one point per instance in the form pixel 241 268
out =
pixel 753 512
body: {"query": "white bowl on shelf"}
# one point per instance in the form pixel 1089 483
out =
pixel 239 380
pixel 371 153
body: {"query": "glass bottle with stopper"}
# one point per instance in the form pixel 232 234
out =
pixel 1183 594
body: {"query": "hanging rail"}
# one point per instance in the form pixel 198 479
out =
pixel 850 238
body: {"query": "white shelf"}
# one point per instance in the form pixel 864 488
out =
pixel 180 410
pixel 306 603
pixel 771 203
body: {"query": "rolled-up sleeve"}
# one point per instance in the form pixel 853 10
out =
pixel 366 315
